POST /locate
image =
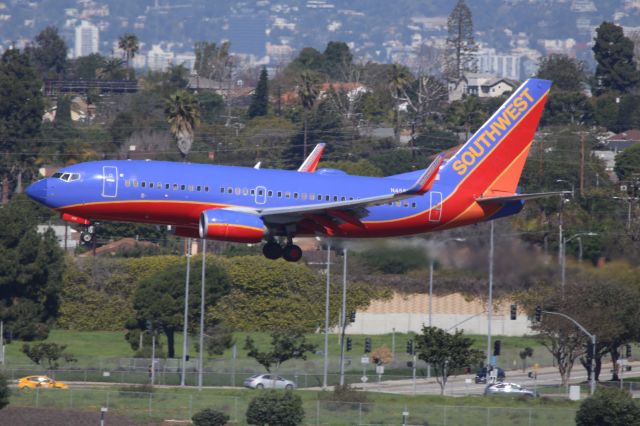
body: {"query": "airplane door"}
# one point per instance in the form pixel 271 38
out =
pixel 261 195
pixel 109 181
pixel 435 206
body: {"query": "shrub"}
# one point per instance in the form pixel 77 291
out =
pixel 608 407
pixel 4 392
pixel 209 417
pixel 275 408
pixel 342 397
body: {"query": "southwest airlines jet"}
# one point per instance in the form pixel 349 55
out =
pixel 251 205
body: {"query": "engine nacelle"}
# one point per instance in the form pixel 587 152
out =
pixel 225 225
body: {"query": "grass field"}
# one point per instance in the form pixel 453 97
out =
pixel 179 404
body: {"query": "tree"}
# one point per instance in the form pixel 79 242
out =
pixel 275 408
pixel 337 58
pixel 524 354
pixel 4 392
pixel 159 298
pixel 183 115
pixel 209 417
pixel 608 407
pixel 111 69
pixel 460 42
pixel 568 74
pixel 307 93
pixel 49 53
pixel 213 61
pixel 445 352
pixel 87 67
pixel 616 68
pixel 49 352
pixel 260 100
pixel 63 112
pixel 129 43
pixel 398 80
pixel 628 163
pixel 21 110
pixel 285 345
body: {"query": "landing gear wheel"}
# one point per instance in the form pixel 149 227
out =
pixel 292 253
pixel 272 250
pixel 86 237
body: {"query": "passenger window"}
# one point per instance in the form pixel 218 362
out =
pixel 222 189
pixel 167 185
pixel 279 194
pixel 127 183
pixel 270 193
pixel 343 198
pixel 406 204
pixel 206 189
pixel 190 188
pixel 335 198
pixel 175 186
pixel 245 191
pixel 303 195
pixel 230 190
pixel 350 198
pixel 413 205
pixel 159 185
pixel 253 192
pixel 312 197
pixel 295 195
pixel 135 183
pixel 287 194
pixel 260 192
pixel 150 184
pixel 398 203
pixel 183 187
pixel 237 191
pixel 327 197
pixel 198 188
pixel 143 184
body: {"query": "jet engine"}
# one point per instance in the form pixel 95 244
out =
pixel 226 225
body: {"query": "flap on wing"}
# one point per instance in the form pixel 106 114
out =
pixel 517 197
pixel 311 162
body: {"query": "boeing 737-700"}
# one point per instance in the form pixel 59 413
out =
pixel 249 205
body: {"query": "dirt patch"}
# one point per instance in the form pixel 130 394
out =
pixel 51 417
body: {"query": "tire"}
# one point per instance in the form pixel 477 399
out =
pixel 289 387
pixel 292 253
pixel 259 386
pixel 86 237
pixel 272 250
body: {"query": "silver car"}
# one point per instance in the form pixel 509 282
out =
pixel 508 389
pixel 271 381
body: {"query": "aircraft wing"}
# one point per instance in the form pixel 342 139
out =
pixel 518 197
pixel 346 210
pixel 311 162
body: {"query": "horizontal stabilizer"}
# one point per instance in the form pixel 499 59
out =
pixel 518 197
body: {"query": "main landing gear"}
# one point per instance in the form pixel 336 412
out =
pixel 289 252
pixel 87 234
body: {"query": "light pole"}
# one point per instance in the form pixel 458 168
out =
pixel 593 343
pixel 343 314
pixel 490 301
pixel 186 313
pixel 326 319
pixel 564 252
pixel 201 341
pixel 629 201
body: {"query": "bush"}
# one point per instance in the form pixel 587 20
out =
pixel 137 391
pixel 343 397
pixel 4 392
pixel 609 407
pixel 209 417
pixel 275 408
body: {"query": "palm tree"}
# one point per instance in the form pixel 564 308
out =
pixel 181 110
pixel 308 94
pixel 110 70
pixel 129 43
pixel 398 80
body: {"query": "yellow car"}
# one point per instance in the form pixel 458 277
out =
pixel 33 382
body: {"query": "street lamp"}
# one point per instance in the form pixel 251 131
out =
pixel 629 201
pixel 564 248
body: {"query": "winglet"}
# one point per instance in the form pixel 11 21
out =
pixel 311 162
pixel 258 164
pixel 427 179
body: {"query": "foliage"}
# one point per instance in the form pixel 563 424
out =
pixel 49 352
pixel 346 393
pixel 382 355
pixel 275 408
pixel 86 67
pixel 183 115
pixel 213 61
pixel 568 74
pixel 209 417
pixel 445 352
pixel 159 297
pixel 219 337
pixel 361 167
pixel 628 163
pixel 49 53
pixel 616 69
pixel 608 407
pixel 31 265
pixel 130 44
pixel 393 260
pixel 260 100
pixel 285 345
pixel 308 92
pixel 460 42
pixel 336 59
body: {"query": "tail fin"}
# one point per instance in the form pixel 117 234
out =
pixel 491 161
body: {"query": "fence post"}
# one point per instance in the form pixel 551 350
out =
pixel 70 398
pixel 235 409
pixel 317 411
pixel 359 413
pixel 529 416
pixel 190 406
pixel 444 414
pixel 107 400
pixel 37 396
pixel 150 401
pixel 488 416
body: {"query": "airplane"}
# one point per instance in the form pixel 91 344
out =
pixel 251 205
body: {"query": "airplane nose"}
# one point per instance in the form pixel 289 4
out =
pixel 38 191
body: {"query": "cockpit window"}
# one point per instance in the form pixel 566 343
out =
pixel 65 177
pixel 56 175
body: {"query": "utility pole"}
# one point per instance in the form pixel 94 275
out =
pixel 201 341
pixel 582 164
pixel 344 314
pixel 490 301
pixel 186 316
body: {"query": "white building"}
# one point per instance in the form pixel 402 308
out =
pixel 87 39
pixel 159 59
pixel 499 64
pixel 480 85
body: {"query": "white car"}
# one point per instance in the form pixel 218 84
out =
pixel 508 389
pixel 269 381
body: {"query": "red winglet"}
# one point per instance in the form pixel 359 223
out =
pixel 427 179
pixel 311 162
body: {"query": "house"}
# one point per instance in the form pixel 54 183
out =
pixel 621 141
pixel 480 85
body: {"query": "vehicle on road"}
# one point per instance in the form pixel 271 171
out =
pixel 269 381
pixel 35 382
pixel 508 389
pixel 481 375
